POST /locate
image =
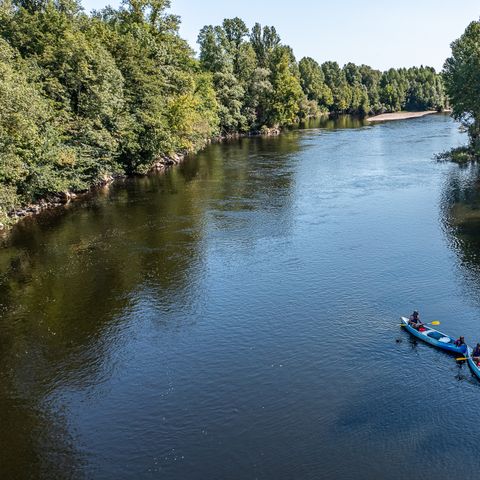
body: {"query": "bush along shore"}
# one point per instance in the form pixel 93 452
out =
pixel 59 199
pixel 88 98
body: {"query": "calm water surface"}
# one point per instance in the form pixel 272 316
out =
pixel 237 318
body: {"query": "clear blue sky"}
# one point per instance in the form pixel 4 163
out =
pixel 388 33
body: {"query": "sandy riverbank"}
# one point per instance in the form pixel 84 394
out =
pixel 386 117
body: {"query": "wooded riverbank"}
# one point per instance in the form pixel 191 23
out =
pixel 87 98
pixel 161 165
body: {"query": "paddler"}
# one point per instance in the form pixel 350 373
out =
pixel 476 354
pixel 460 342
pixel 414 320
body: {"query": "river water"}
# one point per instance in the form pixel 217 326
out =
pixel 237 318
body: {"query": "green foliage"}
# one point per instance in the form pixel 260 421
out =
pixel 360 100
pixel 31 155
pixel 425 91
pixel 461 74
pixel 412 89
pixel 264 41
pixel 82 98
pixel 313 83
pixel 287 93
pixel 371 81
pixel 225 54
pixel 85 97
pixel 460 155
pixel 336 81
pixel 256 79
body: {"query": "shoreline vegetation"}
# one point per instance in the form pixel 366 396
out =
pixel 461 74
pixel 89 98
pixel 462 155
pixel 160 166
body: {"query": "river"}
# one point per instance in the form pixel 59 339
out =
pixel 237 317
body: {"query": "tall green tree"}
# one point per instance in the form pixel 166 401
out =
pixel 264 41
pixel 160 73
pixel 313 82
pixel 32 159
pixel 220 54
pixel 371 81
pixel 336 80
pixel 287 91
pixel 461 73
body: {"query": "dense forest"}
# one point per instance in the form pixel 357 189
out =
pixel 87 97
pixel 260 84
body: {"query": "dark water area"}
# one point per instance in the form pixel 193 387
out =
pixel 237 317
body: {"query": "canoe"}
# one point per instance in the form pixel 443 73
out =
pixel 435 338
pixel 473 366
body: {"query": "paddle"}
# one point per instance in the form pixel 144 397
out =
pixel 435 322
pixel 461 359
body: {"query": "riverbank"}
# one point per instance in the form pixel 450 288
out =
pixel 161 165
pixel 388 117
pixel 62 199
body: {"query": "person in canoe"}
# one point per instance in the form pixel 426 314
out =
pixel 476 354
pixel 460 342
pixel 415 321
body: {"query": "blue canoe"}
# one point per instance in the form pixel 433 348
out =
pixel 473 366
pixel 436 338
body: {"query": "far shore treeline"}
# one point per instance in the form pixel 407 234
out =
pixel 87 97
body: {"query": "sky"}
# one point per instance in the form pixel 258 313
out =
pixel 382 34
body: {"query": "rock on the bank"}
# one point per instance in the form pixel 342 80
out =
pixel 164 162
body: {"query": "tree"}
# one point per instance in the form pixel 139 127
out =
pixel 264 41
pixel 461 74
pixel 222 52
pixel 313 84
pixel 30 140
pixel 360 101
pixel 352 74
pixel 287 92
pixel 258 97
pixel 337 82
pixel 160 74
pixel 84 97
pixel 393 87
pixel 371 81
